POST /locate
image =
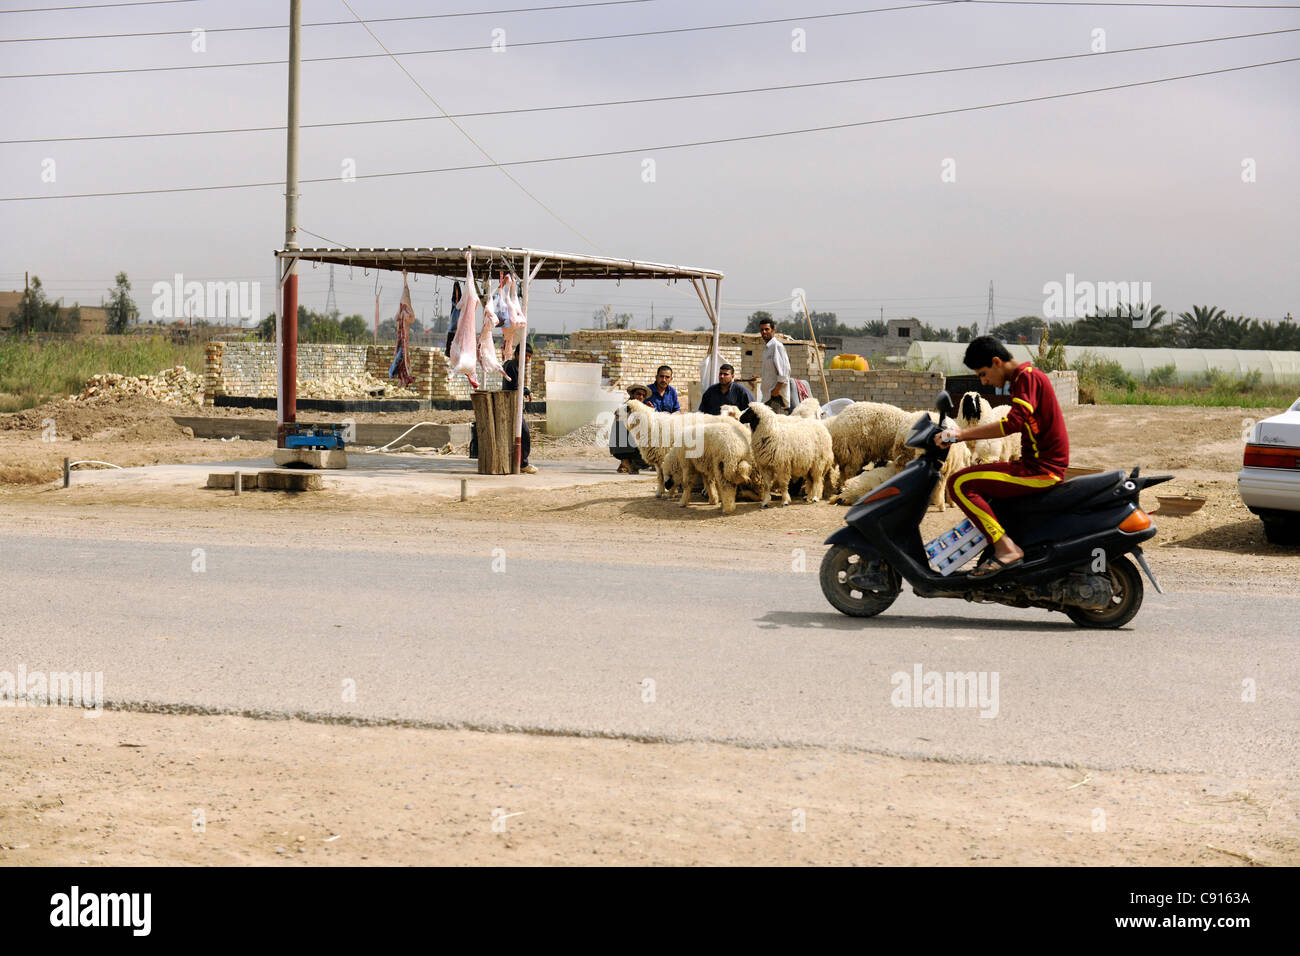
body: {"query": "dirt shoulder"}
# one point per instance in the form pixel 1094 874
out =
pixel 287 792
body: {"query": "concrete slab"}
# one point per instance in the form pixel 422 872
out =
pixel 227 480
pixel 432 477
pixel 310 457
pixel 366 433
pixel 289 481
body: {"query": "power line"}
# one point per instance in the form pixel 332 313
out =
pixel 664 148
pixel 322 23
pixel 1123 3
pixel 96 6
pixel 657 99
pixel 464 132
pixel 480 47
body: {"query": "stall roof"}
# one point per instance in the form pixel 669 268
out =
pixel 450 262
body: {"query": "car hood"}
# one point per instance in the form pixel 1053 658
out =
pixel 1281 429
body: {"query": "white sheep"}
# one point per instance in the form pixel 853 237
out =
pixel 868 481
pixel 808 408
pixel 975 410
pixel 656 432
pixel 679 472
pixel 868 432
pixel 785 447
pixel 721 458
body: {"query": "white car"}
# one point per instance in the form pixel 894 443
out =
pixel 1269 482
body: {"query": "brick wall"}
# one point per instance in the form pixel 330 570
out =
pixel 247 369
pixel 904 389
pixel 629 357
pixel 1066 385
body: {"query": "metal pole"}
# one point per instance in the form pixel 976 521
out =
pixel 67 473
pixel 521 370
pixel 289 323
pixel 27 309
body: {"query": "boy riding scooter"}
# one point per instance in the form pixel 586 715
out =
pixel 1044 448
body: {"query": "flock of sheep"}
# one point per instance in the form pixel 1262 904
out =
pixel 845 455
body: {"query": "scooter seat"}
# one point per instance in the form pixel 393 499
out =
pixel 1065 496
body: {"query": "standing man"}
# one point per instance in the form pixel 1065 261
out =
pixel 510 383
pixel 663 397
pixel 727 391
pixel 776 369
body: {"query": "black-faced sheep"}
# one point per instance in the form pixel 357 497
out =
pixel 975 410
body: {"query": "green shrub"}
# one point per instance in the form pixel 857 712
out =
pixel 1163 376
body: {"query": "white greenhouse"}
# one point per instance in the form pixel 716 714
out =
pixel 1190 365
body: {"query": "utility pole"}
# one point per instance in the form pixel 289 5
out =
pixel 289 320
pixel 988 320
pixel 27 305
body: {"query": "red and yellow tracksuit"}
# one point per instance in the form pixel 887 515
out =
pixel 1044 453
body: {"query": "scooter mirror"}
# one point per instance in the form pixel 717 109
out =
pixel 944 405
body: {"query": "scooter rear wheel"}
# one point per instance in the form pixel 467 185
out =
pixel 848 597
pixel 1126 583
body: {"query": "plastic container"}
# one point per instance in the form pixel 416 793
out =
pixel 955 547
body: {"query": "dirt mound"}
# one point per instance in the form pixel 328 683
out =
pixel 108 416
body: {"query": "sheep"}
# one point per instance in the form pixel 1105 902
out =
pixel 868 481
pixel 656 432
pixel 975 410
pixel 867 432
pixel 808 408
pixel 785 448
pixel 721 458
pixel 677 473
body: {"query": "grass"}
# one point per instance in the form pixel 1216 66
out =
pixel 1106 383
pixel 33 372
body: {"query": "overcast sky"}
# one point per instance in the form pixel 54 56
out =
pixel 1142 184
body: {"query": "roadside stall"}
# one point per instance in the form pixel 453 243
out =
pixel 499 415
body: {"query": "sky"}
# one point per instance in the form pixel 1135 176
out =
pixel 1192 186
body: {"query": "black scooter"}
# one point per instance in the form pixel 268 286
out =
pixel 1076 538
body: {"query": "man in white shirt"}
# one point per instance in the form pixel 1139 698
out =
pixel 777 386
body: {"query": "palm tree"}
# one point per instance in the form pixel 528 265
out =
pixel 1199 329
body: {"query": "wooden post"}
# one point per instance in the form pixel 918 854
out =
pixel 826 389
pixel 494 419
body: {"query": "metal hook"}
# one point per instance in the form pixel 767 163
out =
pixel 349 268
pixel 559 281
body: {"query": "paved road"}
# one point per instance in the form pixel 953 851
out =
pixel 736 656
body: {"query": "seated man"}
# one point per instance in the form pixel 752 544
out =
pixel 1044 448
pixel 663 397
pixel 621 443
pixel 727 391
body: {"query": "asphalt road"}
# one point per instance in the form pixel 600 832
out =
pixel 570 647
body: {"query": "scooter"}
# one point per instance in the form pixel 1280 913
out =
pixel 1076 537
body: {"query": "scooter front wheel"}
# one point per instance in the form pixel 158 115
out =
pixel 844 581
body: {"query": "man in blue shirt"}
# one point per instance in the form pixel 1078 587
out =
pixel 663 397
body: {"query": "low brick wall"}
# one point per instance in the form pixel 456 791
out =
pixel 1066 385
pixel 630 357
pixel 247 369
pixel 904 389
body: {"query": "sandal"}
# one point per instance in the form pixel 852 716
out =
pixel 991 566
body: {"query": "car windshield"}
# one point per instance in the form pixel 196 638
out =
pixel 1296 406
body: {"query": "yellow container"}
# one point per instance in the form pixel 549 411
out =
pixel 847 360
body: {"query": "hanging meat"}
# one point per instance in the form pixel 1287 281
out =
pixel 464 347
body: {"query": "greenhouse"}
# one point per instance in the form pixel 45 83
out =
pixel 1190 365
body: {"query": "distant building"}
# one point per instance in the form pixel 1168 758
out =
pixel 898 338
pixel 94 319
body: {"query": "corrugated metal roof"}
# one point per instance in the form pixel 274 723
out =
pixel 450 262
